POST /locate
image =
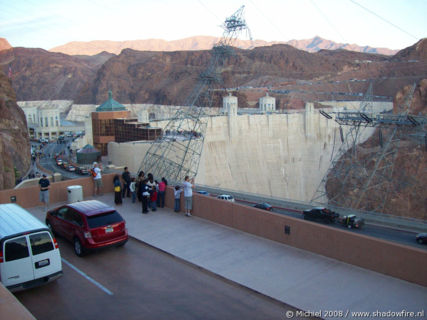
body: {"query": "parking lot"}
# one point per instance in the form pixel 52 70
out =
pixel 139 282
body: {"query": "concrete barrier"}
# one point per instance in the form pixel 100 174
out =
pixel 28 197
pixel 393 259
pixel 11 308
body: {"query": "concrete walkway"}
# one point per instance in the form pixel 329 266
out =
pixel 302 279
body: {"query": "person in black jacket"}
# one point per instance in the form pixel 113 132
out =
pixel 144 191
pixel 126 183
pixel 117 190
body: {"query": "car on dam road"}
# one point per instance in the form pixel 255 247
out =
pixel 351 221
pixel 204 192
pixel 421 238
pixel 89 225
pixel 226 197
pixel 264 206
pixel 321 214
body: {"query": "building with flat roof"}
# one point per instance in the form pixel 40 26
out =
pixel 111 122
pixel 44 119
pixel 103 122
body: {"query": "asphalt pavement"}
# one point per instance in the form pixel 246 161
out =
pixel 296 277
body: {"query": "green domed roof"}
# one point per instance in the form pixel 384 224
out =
pixel 110 104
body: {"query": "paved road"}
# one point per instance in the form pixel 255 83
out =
pixel 382 232
pixel 377 231
pixel 139 282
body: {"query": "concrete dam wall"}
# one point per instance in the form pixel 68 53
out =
pixel 280 155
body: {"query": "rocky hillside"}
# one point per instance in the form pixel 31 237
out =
pixel 14 141
pixel 293 75
pixel 38 74
pixel 168 77
pixel 204 43
pixel 4 44
pixel 400 182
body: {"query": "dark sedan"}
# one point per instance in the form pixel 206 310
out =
pixel 264 206
pixel 421 238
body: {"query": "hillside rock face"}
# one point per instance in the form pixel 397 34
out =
pixel 168 77
pixel 14 141
pixel 417 52
pixel 41 75
pixel 4 44
pixel 402 187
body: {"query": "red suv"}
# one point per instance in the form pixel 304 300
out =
pixel 89 225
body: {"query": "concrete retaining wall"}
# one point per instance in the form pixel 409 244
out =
pixel 11 308
pixel 28 197
pixel 382 256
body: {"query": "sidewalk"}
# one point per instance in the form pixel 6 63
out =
pixel 302 279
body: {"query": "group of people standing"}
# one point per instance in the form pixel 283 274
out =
pixel 150 192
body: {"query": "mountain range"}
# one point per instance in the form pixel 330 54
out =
pixel 204 43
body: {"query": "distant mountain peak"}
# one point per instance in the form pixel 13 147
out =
pixel 4 44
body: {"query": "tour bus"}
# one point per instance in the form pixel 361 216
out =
pixel 29 254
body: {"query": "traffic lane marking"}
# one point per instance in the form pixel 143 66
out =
pixel 84 275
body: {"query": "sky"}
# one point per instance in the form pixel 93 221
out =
pixel 393 24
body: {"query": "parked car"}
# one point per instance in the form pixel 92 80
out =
pixel 320 214
pixel 352 221
pixel 203 192
pixel 226 197
pixel 89 225
pixel 421 238
pixel 59 162
pixel 264 206
pixel 71 168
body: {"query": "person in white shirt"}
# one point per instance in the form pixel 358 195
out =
pixel 97 179
pixel 188 186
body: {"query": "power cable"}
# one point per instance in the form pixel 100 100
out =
pixel 269 20
pixel 383 19
pixel 327 20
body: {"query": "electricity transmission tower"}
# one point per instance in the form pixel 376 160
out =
pixel 362 174
pixel 177 153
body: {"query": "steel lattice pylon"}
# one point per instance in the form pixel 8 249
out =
pixel 361 175
pixel 177 153
pixel 340 169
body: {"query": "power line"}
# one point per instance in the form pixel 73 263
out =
pixel 327 20
pixel 268 19
pixel 383 19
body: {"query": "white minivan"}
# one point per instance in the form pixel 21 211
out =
pixel 29 255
